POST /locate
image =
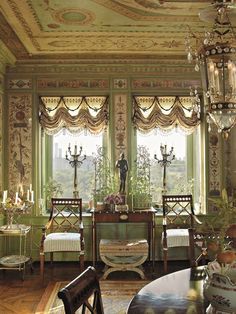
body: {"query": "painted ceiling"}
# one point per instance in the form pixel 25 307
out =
pixel 37 29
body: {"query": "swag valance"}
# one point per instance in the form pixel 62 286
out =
pixel 165 113
pixel 73 113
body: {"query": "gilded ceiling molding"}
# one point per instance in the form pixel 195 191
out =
pixel 118 69
pixel 138 10
pixel 21 18
pixel 6 57
pixel 120 116
pixel 20 140
pixel 11 41
pixel 215 163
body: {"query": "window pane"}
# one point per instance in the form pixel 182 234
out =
pixel 176 172
pixel 63 172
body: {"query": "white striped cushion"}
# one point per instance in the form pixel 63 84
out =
pixel 62 241
pixel 177 237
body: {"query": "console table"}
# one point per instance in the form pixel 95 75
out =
pixel 141 216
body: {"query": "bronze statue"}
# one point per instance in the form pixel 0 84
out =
pixel 122 164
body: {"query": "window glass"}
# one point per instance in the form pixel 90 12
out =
pixel 181 175
pixel 63 170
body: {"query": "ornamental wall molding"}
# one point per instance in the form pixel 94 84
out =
pixel 152 69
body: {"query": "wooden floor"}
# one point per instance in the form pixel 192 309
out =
pixel 22 296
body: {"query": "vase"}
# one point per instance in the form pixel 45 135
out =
pixel 220 290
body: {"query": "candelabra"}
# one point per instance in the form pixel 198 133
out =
pixel 166 160
pixel 17 205
pixel 75 160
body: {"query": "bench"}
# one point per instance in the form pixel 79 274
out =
pixel 123 255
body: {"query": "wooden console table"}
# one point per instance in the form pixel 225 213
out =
pixel 141 216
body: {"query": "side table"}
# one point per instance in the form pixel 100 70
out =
pixel 18 261
pixel 131 217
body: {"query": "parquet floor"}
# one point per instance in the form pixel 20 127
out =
pixel 22 296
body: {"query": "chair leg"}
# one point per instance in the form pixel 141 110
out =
pixel 81 260
pixel 191 248
pixel 42 259
pixel 165 256
pixel 51 257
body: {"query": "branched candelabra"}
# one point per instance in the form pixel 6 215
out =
pixel 166 160
pixel 17 205
pixel 75 160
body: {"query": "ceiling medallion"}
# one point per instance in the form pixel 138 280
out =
pixel 74 16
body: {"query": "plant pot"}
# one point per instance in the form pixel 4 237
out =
pixel 226 257
pixel 231 232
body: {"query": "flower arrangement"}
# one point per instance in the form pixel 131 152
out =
pixel 113 199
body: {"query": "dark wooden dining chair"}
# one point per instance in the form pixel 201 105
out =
pixel 64 230
pixel 179 226
pixel 83 293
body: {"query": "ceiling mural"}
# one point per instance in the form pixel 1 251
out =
pixel 82 28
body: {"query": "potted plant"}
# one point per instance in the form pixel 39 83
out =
pixel 51 189
pixel 139 183
pixel 220 226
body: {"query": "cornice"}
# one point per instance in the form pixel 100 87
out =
pixel 160 68
pixel 6 57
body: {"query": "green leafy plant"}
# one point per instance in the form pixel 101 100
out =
pixel 52 189
pixel 225 215
pixel 139 182
pixel 105 181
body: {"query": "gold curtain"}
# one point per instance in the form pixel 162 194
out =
pixel 165 113
pixel 73 113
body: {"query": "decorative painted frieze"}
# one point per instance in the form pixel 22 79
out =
pixel 151 83
pixel 215 164
pixel 73 83
pixel 20 140
pixel 120 83
pixel 120 123
pixel 19 84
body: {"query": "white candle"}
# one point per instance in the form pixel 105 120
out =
pixel 16 198
pixel 30 187
pixel 28 192
pixel 32 196
pixel 21 190
pixel 4 196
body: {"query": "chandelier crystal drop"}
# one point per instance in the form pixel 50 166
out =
pixel 215 57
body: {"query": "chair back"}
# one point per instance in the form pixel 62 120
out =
pixel 84 293
pixel 66 215
pixel 178 211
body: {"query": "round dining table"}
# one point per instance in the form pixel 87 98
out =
pixel 177 292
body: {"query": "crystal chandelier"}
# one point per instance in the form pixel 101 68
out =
pixel 215 58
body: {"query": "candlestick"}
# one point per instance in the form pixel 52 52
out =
pixel 15 205
pixel 75 160
pixel 166 160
